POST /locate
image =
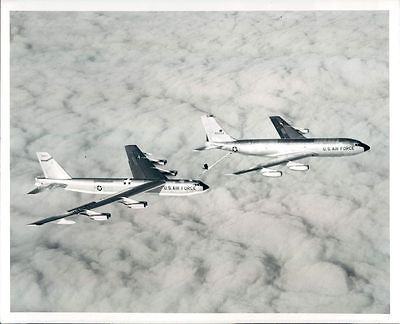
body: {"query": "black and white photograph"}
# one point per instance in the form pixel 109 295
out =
pixel 199 161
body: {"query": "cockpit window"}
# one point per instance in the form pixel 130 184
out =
pixel 356 144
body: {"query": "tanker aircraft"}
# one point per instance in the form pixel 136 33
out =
pixel 292 146
pixel 148 177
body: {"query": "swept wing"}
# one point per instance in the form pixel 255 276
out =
pixel 141 166
pixel 284 129
pixel 276 161
pixel 108 200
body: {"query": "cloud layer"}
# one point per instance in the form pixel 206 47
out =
pixel 84 84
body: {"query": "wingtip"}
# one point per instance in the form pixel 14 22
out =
pixel 32 225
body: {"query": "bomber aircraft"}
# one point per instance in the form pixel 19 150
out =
pixel 292 146
pixel 148 177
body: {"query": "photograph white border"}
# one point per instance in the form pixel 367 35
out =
pixel 392 6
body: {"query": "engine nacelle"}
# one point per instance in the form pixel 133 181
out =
pixel 138 205
pixel 303 130
pixel 169 172
pixel 130 203
pixel 271 173
pixel 156 161
pixel 95 215
pixel 297 166
pixel 100 217
pixel 159 162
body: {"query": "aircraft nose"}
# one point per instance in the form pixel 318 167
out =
pixel 205 187
pixel 366 147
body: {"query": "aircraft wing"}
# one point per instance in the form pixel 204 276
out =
pixel 108 200
pixel 51 219
pixel 140 165
pixel 284 129
pixel 276 161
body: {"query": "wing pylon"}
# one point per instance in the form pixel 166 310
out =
pixel 86 209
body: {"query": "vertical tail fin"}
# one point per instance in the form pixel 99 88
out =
pixel 50 167
pixel 214 131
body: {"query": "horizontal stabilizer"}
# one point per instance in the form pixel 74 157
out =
pixel 39 189
pixel 36 190
pixel 208 146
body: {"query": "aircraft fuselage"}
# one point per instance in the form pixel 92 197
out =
pixel 275 147
pixel 106 186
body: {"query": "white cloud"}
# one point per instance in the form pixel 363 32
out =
pixel 85 84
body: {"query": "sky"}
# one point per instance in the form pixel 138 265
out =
pixel 84 84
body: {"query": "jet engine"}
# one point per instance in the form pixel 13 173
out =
pixel 156 161
pixel 100 217
pixel 159 162
pixel 95 215
pixel 303 130
pixel 130 203
pixel 169 172
pixel 138 205
pixel 297 166
pixel 270 173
